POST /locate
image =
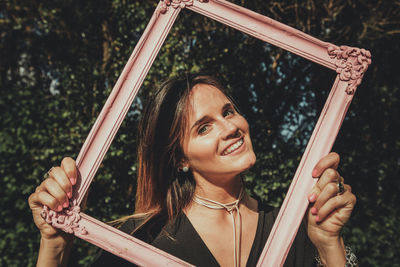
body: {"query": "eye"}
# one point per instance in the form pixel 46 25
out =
pixel 203 129
pixel 228 111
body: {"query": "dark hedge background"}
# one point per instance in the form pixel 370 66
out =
pixel 60 59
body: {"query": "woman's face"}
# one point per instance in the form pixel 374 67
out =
pixel 217 142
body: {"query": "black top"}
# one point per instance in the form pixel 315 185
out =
pixel 187 245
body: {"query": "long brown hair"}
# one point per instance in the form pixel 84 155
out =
pixel 161 187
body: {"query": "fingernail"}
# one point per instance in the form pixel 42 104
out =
pixel 315 173
pixel 59 208
pixel 312 198
pixel 66 204
pixel 73 181
pixel 69 194
pixel 317 219
pixel 314 211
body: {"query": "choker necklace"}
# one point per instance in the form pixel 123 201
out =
pixel 229 207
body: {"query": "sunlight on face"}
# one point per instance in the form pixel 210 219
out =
pixel 217 143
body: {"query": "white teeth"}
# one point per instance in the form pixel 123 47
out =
pixel 233 147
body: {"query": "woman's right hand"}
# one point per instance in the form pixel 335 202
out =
pixel 54 192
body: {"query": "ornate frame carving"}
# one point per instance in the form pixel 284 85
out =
pixel 350 64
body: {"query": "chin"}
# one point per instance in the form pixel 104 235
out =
pixel 252 163
pixel 248 162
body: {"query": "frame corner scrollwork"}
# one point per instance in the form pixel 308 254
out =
pixel 67 220
pixel 165 4
pixel 351 64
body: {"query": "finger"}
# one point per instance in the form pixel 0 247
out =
pixel 315 191
pixel 328 192
pixel 329 161
pixel 59 175
pixel 329 175
pixel 39 188
pixel 43 198
pixel 69 167
pixel 54 189
pixel 335 203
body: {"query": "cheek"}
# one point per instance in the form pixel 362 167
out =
pixel 201 149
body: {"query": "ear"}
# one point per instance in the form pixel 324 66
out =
pixel 183 165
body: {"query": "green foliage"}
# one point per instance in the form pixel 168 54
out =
pixel 60 59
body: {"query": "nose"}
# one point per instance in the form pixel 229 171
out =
pixel 229 130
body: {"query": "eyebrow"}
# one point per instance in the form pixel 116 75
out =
pixel 206 117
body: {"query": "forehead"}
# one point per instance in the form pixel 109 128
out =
pixel 204 99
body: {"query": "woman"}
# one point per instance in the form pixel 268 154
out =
pixel 194 145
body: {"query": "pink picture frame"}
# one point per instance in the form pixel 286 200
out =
pixel 349 63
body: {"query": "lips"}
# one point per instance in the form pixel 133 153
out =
pixel 233 147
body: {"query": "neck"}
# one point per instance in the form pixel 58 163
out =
pixel 223 193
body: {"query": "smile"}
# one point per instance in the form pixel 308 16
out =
pixel 233 147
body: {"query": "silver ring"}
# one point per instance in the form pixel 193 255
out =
pixel 340 188
pixel 47 174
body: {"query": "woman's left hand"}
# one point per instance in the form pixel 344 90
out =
pixel 329 209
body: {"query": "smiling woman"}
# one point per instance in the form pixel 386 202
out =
pixel 191 202
pixel 217 145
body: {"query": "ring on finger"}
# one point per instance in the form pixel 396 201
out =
pixel 47 174
pixel 340 188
